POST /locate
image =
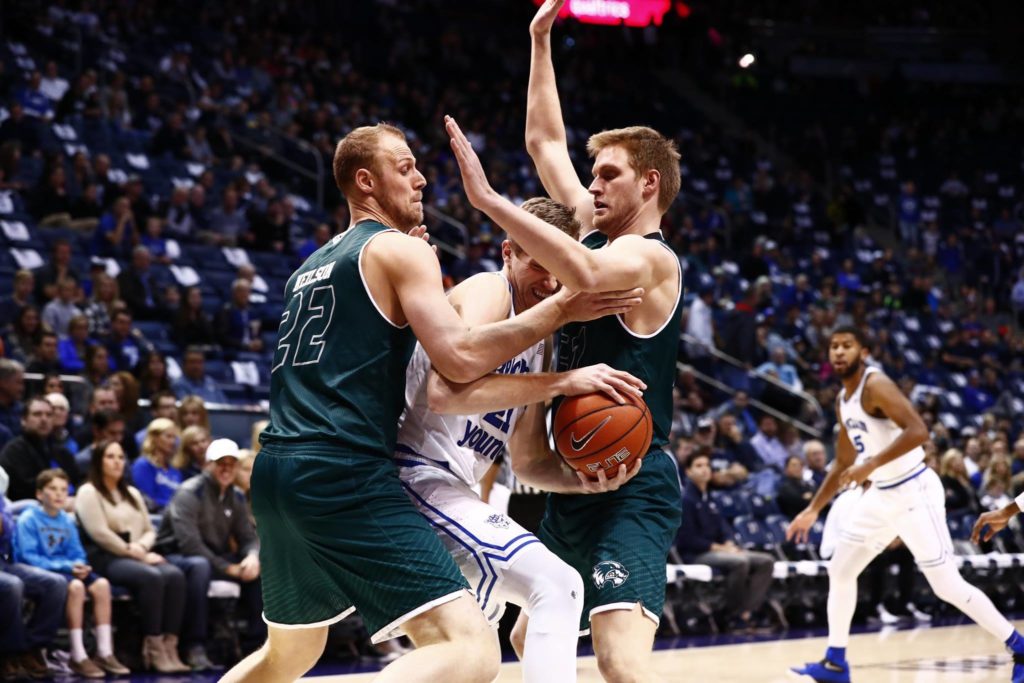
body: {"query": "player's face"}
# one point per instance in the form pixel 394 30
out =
pixel 616 190
pixel 531 282
pixel 401 184
pixel 844 353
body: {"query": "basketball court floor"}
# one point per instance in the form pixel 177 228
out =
pixel 940 654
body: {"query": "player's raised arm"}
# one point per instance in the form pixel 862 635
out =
pixel 459 352
pixel 630 261
pixel 545 132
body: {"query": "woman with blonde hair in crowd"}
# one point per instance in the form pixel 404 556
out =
pixel 960 495
pixel 254 436
pixel 192 411
pixel 100 307
pixel 126 388
pixel 191 456
pixel 113 515
pixel 152 471
pixel 996 486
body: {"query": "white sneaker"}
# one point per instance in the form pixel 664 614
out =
pixel 918 614
pixel 887 617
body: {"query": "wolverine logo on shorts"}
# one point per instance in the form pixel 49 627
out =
pixel 609 572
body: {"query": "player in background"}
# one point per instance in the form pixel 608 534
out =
pixel 880 437
pixel 337 530
pixel 618 541
pixel 450 435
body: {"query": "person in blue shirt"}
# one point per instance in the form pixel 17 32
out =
pixel 46 537
pixel 194 381
pixel 152 473
pixel 21 643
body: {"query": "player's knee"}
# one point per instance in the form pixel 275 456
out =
pixel 481 659
pixel 618 665
pixel 556 601
pixel 518 635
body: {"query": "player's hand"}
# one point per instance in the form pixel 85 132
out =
pixel 420 232
pixel 581 307
pixel 618 384
pixel 996 521
pixel 799 529
pixel 855 475
pixel 545 17
pixel 603 484
pixel 474 180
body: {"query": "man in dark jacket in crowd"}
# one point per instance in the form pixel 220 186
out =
pixel 25 456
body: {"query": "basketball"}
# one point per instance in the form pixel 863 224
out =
pixel 593 432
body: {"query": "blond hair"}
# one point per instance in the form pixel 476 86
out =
pixel 553 213
pixel 358 150
pixel 156 428
pixel 648 150
pixel 189 437
pixel 947 460
pixel 254 436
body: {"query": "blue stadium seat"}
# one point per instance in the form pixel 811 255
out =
pixel 763 507
pixel 752 534
pixel 731 504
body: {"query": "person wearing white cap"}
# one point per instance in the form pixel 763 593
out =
pixel 199 524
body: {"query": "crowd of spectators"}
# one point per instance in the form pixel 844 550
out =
pixel 156 163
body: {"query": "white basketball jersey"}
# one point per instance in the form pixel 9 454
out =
pixel 464 444
pixel 871 435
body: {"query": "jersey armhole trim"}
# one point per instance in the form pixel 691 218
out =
pixel 672 312
pixel 366 285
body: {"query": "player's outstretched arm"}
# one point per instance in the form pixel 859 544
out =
pixel 801 525
pixel 882 395
pixel 629 261
pixel 460 352
pixel 545 132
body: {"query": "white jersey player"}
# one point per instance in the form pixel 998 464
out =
pixel 449 435
pixel 880 437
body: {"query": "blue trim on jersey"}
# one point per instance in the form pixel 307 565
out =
pixel 492 575
pixel 402 448
pixel 921 469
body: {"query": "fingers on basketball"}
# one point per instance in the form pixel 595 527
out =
pixel 594 434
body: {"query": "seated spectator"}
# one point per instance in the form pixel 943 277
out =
pixel 178 221
pixel 736 448
pixel 100 307
pixel 154 241
pixel 44 359
pixel 52 384
pixel 117 231
pixel 190 459
pixel 140 286
pixel 192 325
pixel 25 456
pixel 57 314
pixel 795 491
pixel 195 382
pixel 766 442
pixel 97 365
pixel 104 425
pixel 153 379
pixel 784 371
pixel 996 488
pixel 22 295
pixel 71 350
pixel 24 335
pixel 125 344
pixel 19 128
pixel 126 389
pixel 960 495
pixel 238 329
pixel 12 389
pixel 60 437
pixel 207 532
pixel 254 435
pixel 725 473
pixel 706 538
pixel 161 404
pixel 152 471
pixel 58 268
pixel 46 537
pixel 816 460
pixel 114 518
pixel 192 411
pixel 22 644
pixel 227 221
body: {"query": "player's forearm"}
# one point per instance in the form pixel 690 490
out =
pixel 543 110
pixel 491 392
pixel 479 350
pixel 544 470
pixel 828 489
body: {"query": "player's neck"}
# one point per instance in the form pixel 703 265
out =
pixel 851 383
pixel 371 212
pixel 643 224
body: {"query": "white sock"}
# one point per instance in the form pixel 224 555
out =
pixel 551 592
pixel 846 565
pixel 78 652
pixel 948 585
pixel 104 641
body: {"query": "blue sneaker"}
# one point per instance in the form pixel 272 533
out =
pixel 827 671
pixel 1018 669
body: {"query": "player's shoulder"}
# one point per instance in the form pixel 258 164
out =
pixel 482 290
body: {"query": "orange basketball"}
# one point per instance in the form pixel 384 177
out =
pixel 593 432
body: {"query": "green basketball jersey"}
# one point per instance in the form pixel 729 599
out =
pixel 339 370
pixel 650 358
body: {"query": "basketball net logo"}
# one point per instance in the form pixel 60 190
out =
pixel 609 572
pixel 580 444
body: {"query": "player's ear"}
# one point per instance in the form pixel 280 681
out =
pixel 364 180
pixel 652 183
pixel 506 251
